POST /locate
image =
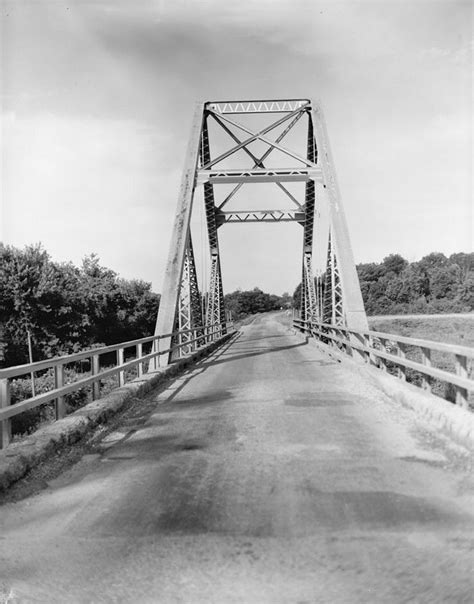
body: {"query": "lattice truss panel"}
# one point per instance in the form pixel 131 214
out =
pixel 333 306
pixel 239 143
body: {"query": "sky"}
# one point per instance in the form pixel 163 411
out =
pixel 97 98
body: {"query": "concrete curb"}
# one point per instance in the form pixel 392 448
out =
pixel 19 458
pixel 447 418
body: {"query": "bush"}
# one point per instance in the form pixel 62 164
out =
pixel 29 420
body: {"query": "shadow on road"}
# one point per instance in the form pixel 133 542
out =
pixel 217 359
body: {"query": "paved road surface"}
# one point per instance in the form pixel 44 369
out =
pixel 265 475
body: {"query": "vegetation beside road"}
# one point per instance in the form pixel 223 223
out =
pixel 434 284
pixel 451 329
pixel 65 308
pixel 59 308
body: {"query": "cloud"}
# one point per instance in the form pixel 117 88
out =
pixel 103 96
pixel 83 185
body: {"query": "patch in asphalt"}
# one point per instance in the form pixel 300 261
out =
pixel 435 463
pixel 318 402
pixel 376 509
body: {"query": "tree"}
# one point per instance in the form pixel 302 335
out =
pixel 243 303
pixel 445 281
pixel 66 308
pixel 394 264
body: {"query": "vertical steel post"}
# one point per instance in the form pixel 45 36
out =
pixel 170 290
pixel 354 311
pixel 215 312
pixel 309 305
pixel 189 303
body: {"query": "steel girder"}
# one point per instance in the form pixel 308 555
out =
pixel 309 302
pixel 168 308
pixel 189 316
pixel 333 303
pixel 215 312
pixel 180 306
pixel 260 216
pixel 352 302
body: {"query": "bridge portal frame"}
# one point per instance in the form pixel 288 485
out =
pixel 181 303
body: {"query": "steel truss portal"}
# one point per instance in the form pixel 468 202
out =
pixel 339 301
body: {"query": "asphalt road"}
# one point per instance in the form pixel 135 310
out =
pixel 267 474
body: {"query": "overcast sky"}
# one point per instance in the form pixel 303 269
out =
pixel 98 95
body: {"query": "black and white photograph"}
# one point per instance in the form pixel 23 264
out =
pixel 236 302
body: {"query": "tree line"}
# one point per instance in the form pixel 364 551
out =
pixel 435 284
pixel 249 302
pixel 65 308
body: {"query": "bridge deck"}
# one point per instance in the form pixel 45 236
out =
pixel 265 474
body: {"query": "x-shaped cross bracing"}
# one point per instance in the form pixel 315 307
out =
pixel 258 162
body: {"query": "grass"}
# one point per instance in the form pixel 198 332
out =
pixel 451 330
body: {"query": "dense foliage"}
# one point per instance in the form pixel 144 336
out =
pixel 66 308
pixel 244 303
pixel 434 284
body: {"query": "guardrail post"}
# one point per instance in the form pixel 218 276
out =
pixel 425 360
pixel 5 425
pixel 359 338
pixel 461 370
pixel 95 368
pixel 155 361
pixel 120 361
pixel 139 354
pixel 402 370
pixel 59 405
pixel 382 364
pixel 157 350
pixel 348 345
pixel 371 357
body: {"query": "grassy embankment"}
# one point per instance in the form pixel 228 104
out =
pixel 448 329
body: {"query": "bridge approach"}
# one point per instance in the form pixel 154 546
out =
pixel 269 472
pixel 273 471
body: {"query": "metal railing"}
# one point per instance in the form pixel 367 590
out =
pixel 390 351
pixel 189 340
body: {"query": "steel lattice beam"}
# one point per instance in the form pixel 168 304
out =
pixel 189 314
pixel 215 312
pixel 278 106
pixel 333 306
pixel 259 175
pixel 260 216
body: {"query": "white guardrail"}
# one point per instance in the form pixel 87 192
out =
pixel 382 349
pixel 189 341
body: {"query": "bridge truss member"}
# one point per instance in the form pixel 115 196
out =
pixel 340 301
